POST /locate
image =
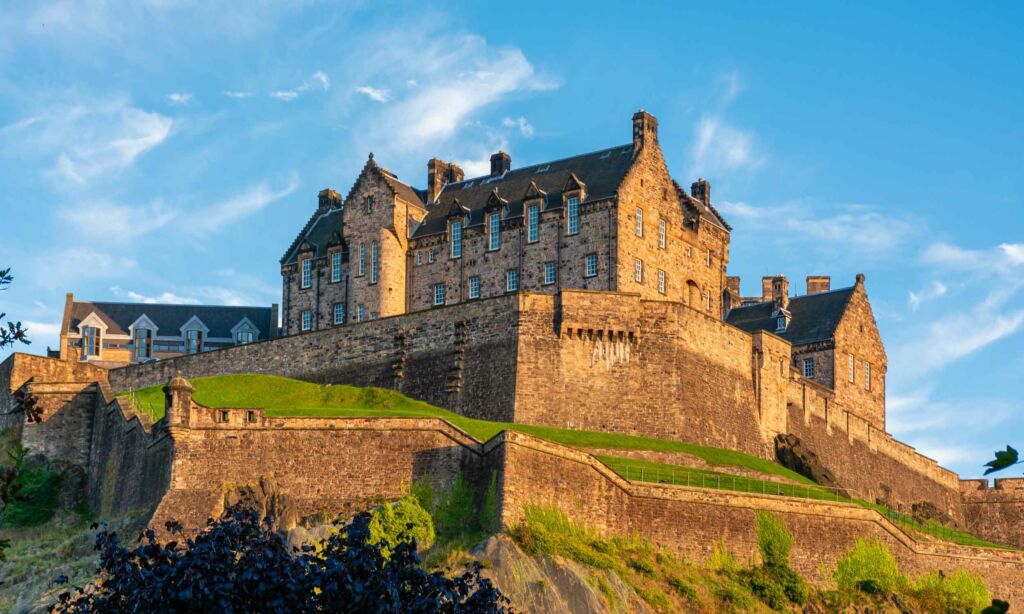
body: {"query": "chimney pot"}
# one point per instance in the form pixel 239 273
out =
pixel 328 199
pixel 501 163
pixel 701 190
pixel 439 174
pixel 818 283
pixel 780 292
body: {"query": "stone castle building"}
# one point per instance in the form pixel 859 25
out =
pixel 610 220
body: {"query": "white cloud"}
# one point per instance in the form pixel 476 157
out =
pixel 48 329
pixel 94 140
pixel 165 297
pixel 375 94
pixel 720 147
pixel 457 77
pixel 114 221
pixel 236 94
pixel 179 98
pixel 252 200
pixel 933 291
pixel 730 85
pixel 525 127
pixel 1014 252
pixel 69 267
pixel 317 80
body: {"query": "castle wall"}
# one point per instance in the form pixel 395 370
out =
pixel 995 513
pixel 460 357
pixel 866 460
pixel 129 460
pixel 612 362
pixel 691 521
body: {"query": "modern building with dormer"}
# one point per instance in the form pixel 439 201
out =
pixel 110 334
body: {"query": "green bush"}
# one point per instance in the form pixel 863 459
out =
pixel 40 487
pixel 763 583
pixel 774 540
pixel 489 511
pixel 722 559
pixel 795 586
pixel 960 592
pixel 403 521
pixel 684 589
pixel 546 530
pixel 423 490
pixel 456 509
pixel 642 565
pixel 869 567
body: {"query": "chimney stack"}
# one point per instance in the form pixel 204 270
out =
pixel 766 288
pixel 440 173
pixel 732 284
pixel 501 163
pixel 645 129
pixel 328 199
pixel 817 284
pixel 701 190
pixel 780 292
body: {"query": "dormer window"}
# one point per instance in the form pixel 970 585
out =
pixel 335 267
pixel 494 231
pixel 193 341
pixel 142 339
pixel 456 239
pixel 572 216
pixel 307 272
pixel 243 336
pixel 780 324
pixel 91 341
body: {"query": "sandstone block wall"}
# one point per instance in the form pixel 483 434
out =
pixel 691 521
pixel 997 512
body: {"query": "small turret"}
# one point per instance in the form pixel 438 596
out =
pixel 178 400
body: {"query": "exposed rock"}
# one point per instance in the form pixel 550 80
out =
pixel 793 454
pixel 552 584
pixel 926 510
pixel 73 481
pixel 266 498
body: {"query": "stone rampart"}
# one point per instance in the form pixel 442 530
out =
pixel 995 512
pixel 691 521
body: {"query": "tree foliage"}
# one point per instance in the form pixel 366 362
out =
pixel 1004 458
pixel 238 564
pixel 12 332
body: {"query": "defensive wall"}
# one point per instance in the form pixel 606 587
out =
pixel 995 512
pixel 599 361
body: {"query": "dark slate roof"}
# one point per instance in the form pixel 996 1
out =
pixel 403 190
pixel 600 171
pixel 170 318
pixel 318 232
pixel 814 316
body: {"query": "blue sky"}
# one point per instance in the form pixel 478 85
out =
pixel 172 149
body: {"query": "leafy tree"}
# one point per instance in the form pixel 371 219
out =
pixel 10 487
pixel 12 332
pixel 1004 458
pixel 238 564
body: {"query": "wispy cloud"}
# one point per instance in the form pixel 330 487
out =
pixel 237 94
pixel 115 222
pixel 373 93
pixel 934 290
pixel 719 147
pixel 524 126
pixel 91 141
pixel 252 200
pixel 179 98
pixel 68 267
pixel 317 80
pixel 164 297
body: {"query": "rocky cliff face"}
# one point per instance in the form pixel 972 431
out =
pixel 553 585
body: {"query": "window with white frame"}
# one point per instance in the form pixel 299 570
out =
pixel 439 294
pixel 142 339
pixel 638 270
pixel 708 262
pixel 662 234
pixel 661 281
pixel 474 287
pixel 639 222
pixel 808 367
pixel 532 224
pixel 549 273
pixel 307 272
pixel 362 259
pixel 456 239
pixel 369 204
pixel 494 231
pixel 336 267
pixel 867 376
pixel 573 216
pixel 307 321
pixel 360 313
pixel 780 324
pixel 243 336
pixel 512 280
pixel 431 256
pixel 852 369
pixel 193 341
pixel 339 313
pixel 419 258
pixel 92 341
pixel 374 262
pixel 591 269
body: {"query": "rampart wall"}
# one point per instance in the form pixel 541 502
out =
pixel 691 521
pixel 995 512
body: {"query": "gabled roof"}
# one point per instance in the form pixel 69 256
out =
pixel 169 319
pixel 318 232
pixel 601 172
pixel 695 207
pixel 814 316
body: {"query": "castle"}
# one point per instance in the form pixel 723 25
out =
pixel 587 293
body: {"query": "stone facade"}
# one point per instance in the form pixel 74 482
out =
pixel 995 512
